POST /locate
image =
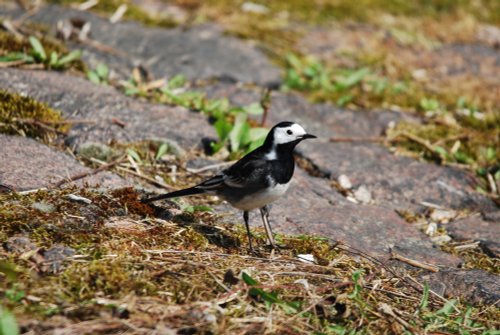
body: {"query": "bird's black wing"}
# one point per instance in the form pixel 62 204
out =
pixel 247 172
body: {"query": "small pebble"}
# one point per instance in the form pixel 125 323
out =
pixel 363 195
pixel 344 182
pixel 43 207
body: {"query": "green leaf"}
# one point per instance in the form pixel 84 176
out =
pixel 197 208
pixel 344 100
pixel 491 154
pixel 73 55
pixel 294 61
pixel 236 134
pixel 352 79
pixel 497 175
pixel 14 56
pixel 14 295
pixel 425 297
pixel 8 324
pixel 223 128
pixel 162 150
pixel 379 85
pixel 481 171
pixel 102 71
pixel 337 329
pixel 132 91
pixel 93 77
pixel 38 49
pixel 53 58
pixel 177 81
pixel 447 308
pixel 132 153
pixel 462 157
pixel 356 277
pixel 248 280
pixel 254 109
pixel 441 151
pixel 258 133
pixel 429 104
pixel 461 102
pixel 9 270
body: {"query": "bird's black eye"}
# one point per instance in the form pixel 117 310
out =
pixel 289 132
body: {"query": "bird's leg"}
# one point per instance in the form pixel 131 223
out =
pixel 245 217
pixel 264 212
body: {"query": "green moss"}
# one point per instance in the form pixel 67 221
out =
pixel 179 273
pixel 473 147
pixel 27 117
pixel 105 277
pixel 474 258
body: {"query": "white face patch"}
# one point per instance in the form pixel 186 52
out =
pixel 284 135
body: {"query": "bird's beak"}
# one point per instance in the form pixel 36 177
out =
pixel 306 136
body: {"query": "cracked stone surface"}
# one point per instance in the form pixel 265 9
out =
pixel 201 52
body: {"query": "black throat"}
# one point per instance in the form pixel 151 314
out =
pixel 284 164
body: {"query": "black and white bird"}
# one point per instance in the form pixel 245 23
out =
pixel 257 179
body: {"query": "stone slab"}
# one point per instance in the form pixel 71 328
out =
pixel 79 99
pixel 26 164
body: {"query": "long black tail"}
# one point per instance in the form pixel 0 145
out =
pixel 180 193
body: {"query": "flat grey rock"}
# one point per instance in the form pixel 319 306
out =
pixel 200 52
pixel 474 286
pixel 310 206
pixel 26 164
pixel 475 228
pixel 102 106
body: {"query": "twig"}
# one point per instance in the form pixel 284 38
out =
pixel 417 140
pixel 13 63
pixel 90 173
pixel 70 122
pixel 493 185
pixel 386 309
pixel 118 14
pixel 40 124
pixel 265 103
pixel 10 27
pixel 87 5
pixel 151 180
pixel 103 47
pixel 413 262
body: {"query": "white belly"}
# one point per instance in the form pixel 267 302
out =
pixel 260 199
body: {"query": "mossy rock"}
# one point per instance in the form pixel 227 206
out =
pixel 27 117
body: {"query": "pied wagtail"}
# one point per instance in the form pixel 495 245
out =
pixel 256 180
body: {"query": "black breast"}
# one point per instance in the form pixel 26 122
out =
pixel 283 167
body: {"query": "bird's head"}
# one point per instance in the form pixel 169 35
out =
pixel 287 132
